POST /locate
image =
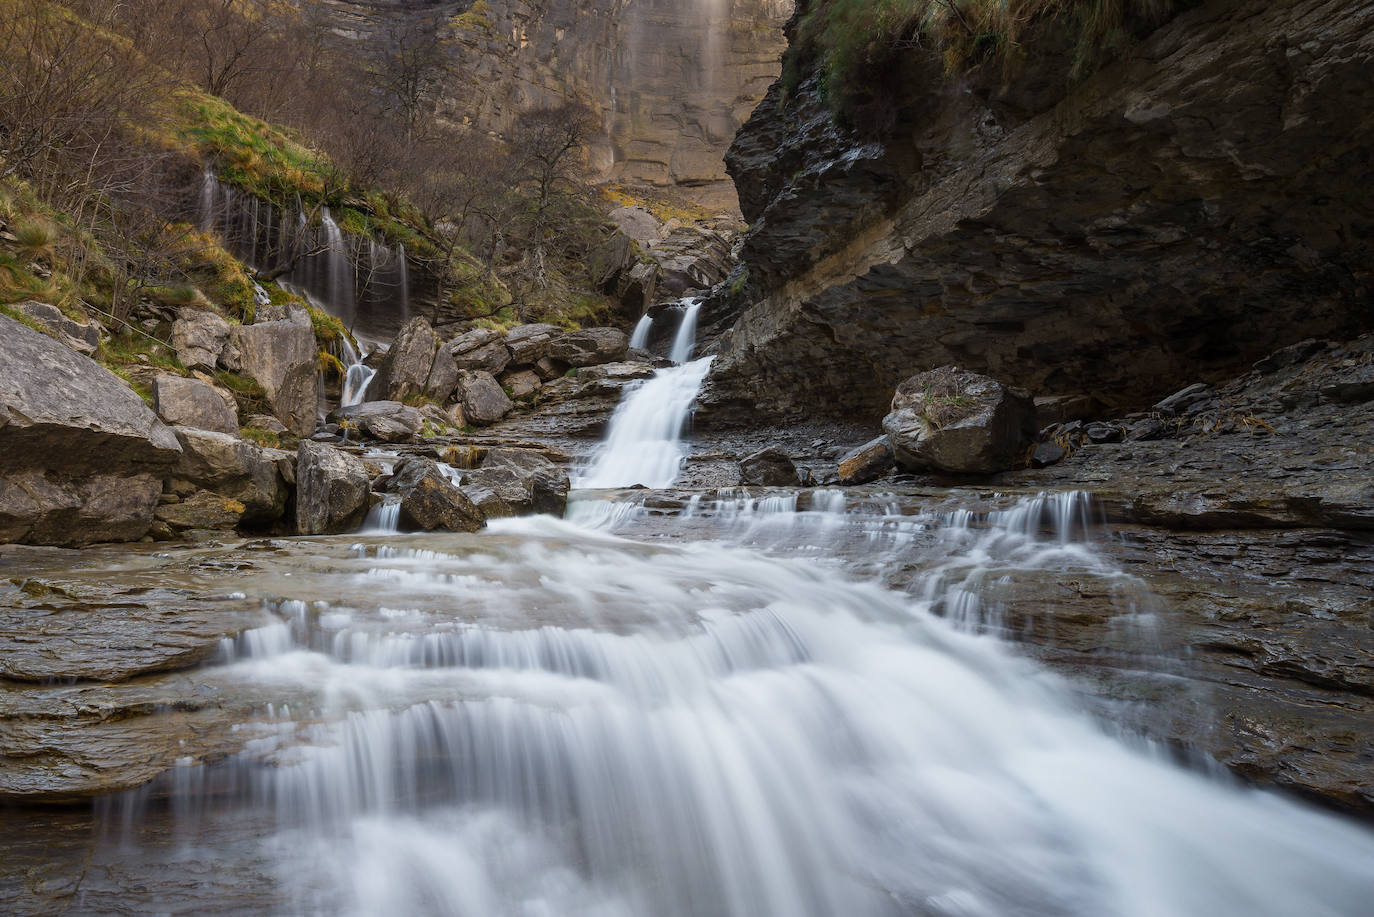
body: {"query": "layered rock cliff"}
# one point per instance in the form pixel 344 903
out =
pixel 1205 198
pixel 672 80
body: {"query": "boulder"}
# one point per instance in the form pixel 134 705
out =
pixel 952 420
pixel 637 223
pixel 521 385
pixel 331 490
pixel 199 338
pixel 517 481
pixel 202 510
pixel 81 336
pixel 590 347
pixel 282 357
pixel 81 455
pixel 443 374
pixel 292 312
pixel 638 288
pixel 267 424
pixel 770 467
pixel 529 343
pixel 235 469
pixel 406 368
pixel 388 421
pixel 548 369
pixel 429 500
pixel 471 340
pixel 488 358
pixel 867 463
pixel 192 403
pixel 482 399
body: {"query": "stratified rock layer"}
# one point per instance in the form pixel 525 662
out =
pixel 1183 211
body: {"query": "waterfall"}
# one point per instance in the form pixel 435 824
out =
pixel 640 339
pixel 205 209
pixel 644 439
pixel 686 339
pixel 403 265
pixel 340 268
pixel 358 376
pixel 547 720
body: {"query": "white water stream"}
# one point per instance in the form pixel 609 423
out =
pixel 644 442
pixel 551 720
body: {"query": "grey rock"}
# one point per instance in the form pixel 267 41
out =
pixel 388 421
pixel 233 468
pixel 549 369
pixel 267 423
pixel 202 510
pixel 590 347
pixel 482 399
pixel 1104 432
pixel 770 467
pixel 81 455
pixel 867 463
pixel 193 403
pixel 406 369
pixel 282 357
pixel 1047 453
pixel 525 481
pixel 1185 399
pixel 331 490
pixel 430 501
pixel 522 385
pixel 491 357
pixel 529 343
pixel 956 421
pixel 81 336
pixel 199 337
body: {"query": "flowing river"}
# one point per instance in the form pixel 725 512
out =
pixel 713 709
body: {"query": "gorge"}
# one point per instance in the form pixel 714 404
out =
pixel 980 529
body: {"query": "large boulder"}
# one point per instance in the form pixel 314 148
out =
pixel 331 490
pixel 199 338
pixel 282 357
pixel 193 403
pixel 521 385
pixel 488 358
pixel 235 469
pixel 202 510
pixel 388 421
pixel 81 455
pixel 81 336
pixel 514 482
pixel 483 400
pixel 406 368
pixel 952 420
pixel 770 467
pixel 590 347
pixel 430 501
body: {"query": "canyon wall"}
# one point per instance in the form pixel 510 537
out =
pixel 1200 201
pixel 671 80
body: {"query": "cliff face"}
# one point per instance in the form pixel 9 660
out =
pixel 1187 209
pixel 672 80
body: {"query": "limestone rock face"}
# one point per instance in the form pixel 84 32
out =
pixel 81 455
pixel 590 347
pixel 81 336
pixel 1193 205
pixel 199 338
pixel 193 403
pixel 959 422
pixel 430 501
pixel 530 343
pixel 281 357
pixel 406 370
pixel 331 490
pixel 521 480
pixel 671 80
pixel 482 398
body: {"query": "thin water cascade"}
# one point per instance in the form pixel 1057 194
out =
pixel 339 266
pixel 554 720
pixel 644 439
pixel 640 338
pixel 358 376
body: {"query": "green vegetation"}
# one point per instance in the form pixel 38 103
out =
pixel 859 46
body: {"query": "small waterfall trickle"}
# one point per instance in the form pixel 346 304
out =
pixel 686 340
pixel 403 266
pixel 358 376
pixel 341 295
pixel 640 339
pixel 205 210
pixel 644 440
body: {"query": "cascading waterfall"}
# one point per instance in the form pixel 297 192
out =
pixel 358 376
pixel 558 721
pixel 644 440
pixel 640 338
pixel 377 303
